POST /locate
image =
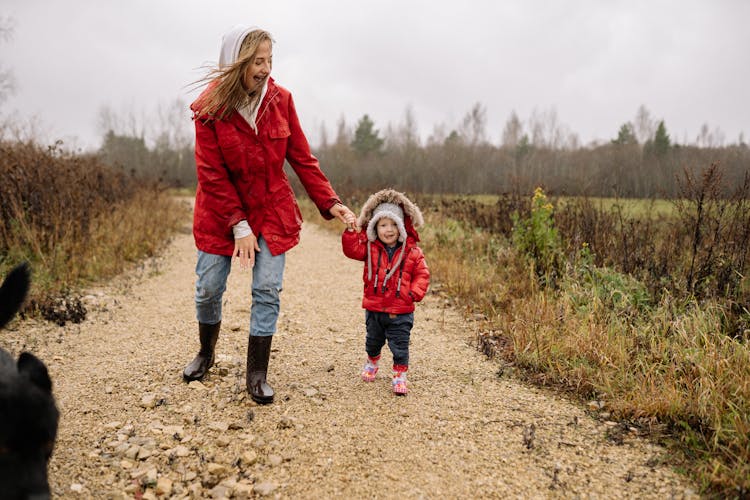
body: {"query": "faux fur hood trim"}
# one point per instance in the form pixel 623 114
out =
pixel 411 211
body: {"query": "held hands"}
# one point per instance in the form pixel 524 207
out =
pixel 342 213
pixel 244 249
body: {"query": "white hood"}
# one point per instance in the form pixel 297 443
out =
pixel 230 44
pixel 230 51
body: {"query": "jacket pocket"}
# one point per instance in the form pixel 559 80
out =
pixel 289 214
pixel 280 130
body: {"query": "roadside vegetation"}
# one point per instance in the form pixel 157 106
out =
pixel 75 220
pixel 645 318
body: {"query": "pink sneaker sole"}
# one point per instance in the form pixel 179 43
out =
pixel 400 389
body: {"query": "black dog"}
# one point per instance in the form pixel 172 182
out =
pixel 28 415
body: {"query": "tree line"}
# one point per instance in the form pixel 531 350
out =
pixel 640 161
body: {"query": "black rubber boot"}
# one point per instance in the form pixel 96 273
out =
pixel 199 366
pixel 258 354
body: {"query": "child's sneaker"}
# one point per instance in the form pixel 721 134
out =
pixel 399 383
pixel 370 370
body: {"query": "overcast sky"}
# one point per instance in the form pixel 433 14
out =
pixel 592 62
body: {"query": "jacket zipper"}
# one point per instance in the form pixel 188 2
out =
pixel 268 104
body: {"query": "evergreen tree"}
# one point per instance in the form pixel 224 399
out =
pixel 524 147
pixel 626 135
pixel 661 139
pixel 366 139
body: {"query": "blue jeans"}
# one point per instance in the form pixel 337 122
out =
pixel 268 272
pixel 397 330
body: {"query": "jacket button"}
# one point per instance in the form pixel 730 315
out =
pixel 274 237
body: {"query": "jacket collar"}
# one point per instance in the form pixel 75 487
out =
pixel 271 92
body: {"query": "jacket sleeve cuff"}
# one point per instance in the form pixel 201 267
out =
pixel 326 213
pixel 241 230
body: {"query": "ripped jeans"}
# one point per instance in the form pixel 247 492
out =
pixel 268 272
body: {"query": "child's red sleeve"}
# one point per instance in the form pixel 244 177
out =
pixel 420 278
pixel 353 244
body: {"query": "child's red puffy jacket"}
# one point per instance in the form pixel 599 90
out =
pixel 409 282
pixel 406 285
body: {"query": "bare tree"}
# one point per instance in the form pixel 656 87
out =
pixel 124 124
pixel 323 143
pixel 7 82
pixel 174 130
pixel 704 138
pixel 343 135
pixel 473 125
pixel 408 128
pixel 513 131
pixel 645 126
pixel 708 138
pixel 536 128
pixel 438 135
pixel 548 132
pixel 719 137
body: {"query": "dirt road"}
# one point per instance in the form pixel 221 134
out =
pixel 130 427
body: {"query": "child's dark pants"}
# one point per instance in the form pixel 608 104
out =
pixel 395 328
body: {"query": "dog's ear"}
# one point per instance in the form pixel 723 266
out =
pixel 13 292
pixel 32 367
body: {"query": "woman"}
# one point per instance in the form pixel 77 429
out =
pixel 245 127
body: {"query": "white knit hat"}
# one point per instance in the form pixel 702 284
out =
pixel 391 211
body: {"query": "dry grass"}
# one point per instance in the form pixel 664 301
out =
pixel 671 367
pixel 666 367
pixel 76 220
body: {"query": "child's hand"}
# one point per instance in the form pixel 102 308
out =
pixel 342 213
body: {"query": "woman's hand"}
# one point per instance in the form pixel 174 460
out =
pixel 342 213
pixel 244 249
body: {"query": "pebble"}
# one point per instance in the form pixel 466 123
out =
pixel 219 426
pixel 249 457
pixel 265 488
pixel 163 486
pixel 148 400
pixel 216 469
pixel 181 451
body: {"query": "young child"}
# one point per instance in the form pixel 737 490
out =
pixel 395 275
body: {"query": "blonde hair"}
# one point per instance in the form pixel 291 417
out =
pixel 229 93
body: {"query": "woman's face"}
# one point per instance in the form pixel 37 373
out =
pixel 387 231
pixel 258 70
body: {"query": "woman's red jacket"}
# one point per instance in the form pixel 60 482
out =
pixel 241 176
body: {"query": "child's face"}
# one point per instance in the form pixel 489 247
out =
pixel 387 231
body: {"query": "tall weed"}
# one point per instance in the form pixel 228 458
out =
pixel 537 238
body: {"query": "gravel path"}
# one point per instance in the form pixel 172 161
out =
pixel 130 426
